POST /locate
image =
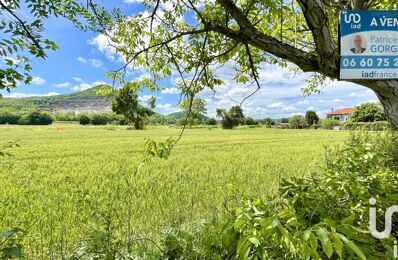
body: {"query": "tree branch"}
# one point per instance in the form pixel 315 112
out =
pixel 317 20
pixel 22 23
pixel 307 62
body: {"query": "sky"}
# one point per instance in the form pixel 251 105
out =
pixel 84 58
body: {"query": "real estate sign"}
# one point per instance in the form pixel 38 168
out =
pixel 369 45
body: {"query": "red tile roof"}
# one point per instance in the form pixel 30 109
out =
pixel 344 111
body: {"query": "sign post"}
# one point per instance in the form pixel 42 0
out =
pixel 368 45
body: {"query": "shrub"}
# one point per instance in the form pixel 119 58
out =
pixel 267 121
pixel 99 119
pixel 368 126
pixel 211 121
pixel 298 122
pixel 329 123
pixel 84 120
pixel 250 121
pixel 23 120
pixel 7 117
pixel 36 118
pixel 67 117
pixel 316 126
pixel 368 112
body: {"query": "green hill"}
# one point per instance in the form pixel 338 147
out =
pixel 84 101
pixel 183 114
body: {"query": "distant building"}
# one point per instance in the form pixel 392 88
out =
pixel 283 125
pixel 341 115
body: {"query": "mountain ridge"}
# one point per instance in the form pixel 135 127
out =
pixel 86 101
pixel 183 114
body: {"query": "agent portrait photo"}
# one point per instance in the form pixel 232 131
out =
pixel 359 45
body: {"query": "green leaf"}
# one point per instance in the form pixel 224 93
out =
pixel 353 247
pixel 349 220
pixel 325 241
pixel 307 234
pixel 313 241
pixel 255 241
pixel 338 246
pixel 12 252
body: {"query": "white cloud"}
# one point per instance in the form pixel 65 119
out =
pixel 103 45
pixel 77 79
pixel 96 63
pixel 82 60
pixel 170 91
pixel 84 86
pixel 62 85
pixel 146 98
pixel 276 105
pixel 166 108
pixel 24 95
pixel 107 46
pixel 38 81
pixel 303 102
pixel 132 1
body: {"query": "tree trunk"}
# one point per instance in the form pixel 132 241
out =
pixel 387 92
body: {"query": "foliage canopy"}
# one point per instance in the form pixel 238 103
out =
pixel 126 102
pixel 368 112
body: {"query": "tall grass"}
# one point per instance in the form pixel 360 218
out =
pixel 61 185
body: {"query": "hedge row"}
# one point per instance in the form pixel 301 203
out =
pixel 102 119
pixel 368 126
pixel 32 118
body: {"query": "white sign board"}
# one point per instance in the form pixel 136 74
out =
pixel 368 45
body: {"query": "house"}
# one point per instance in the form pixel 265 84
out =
pixel 341 115
pixel 282 125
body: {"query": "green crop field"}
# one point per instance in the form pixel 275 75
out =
pixel 59 185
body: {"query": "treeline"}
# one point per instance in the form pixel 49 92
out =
pixel 36 117
pixel 28 118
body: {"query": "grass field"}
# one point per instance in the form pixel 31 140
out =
pixel 61 184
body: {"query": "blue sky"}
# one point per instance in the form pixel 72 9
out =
pixel 85 57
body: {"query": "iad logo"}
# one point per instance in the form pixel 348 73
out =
pixel 352 18
pixel 387 223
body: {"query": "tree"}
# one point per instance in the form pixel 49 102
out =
pixel 84 120
pixel 368 112
pixel 8 117
pixel 250 121
pixel 36 118
pixel 285 120
pixel 311 117
pixel 195 108
pixel 268 121
pixel 126 103
pixel 211 121
pixel 298 122
pixel 232 118
pixel 302 35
